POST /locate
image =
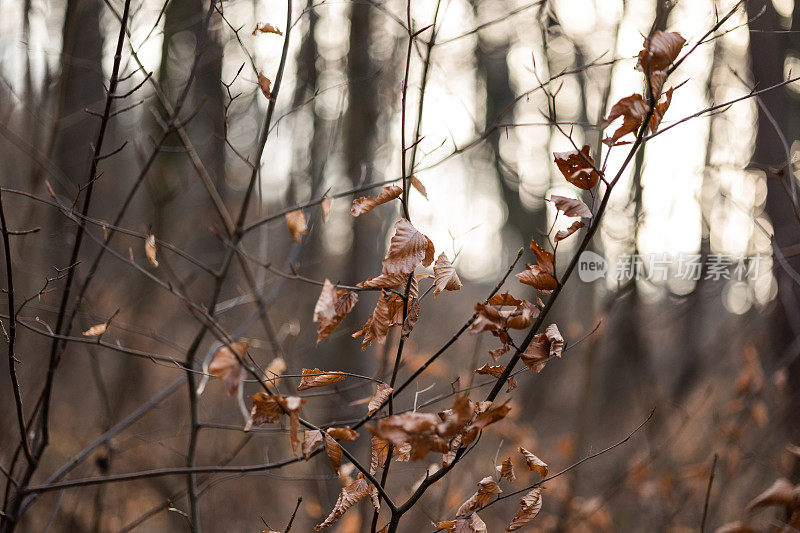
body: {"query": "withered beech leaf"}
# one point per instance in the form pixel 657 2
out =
pixel 366 204
pixel 96 330
pixel 381 393
pixel 659 51
pixel 325 205
pixel 538 278
pixel 659 110
pixel 447 525
pixel 506 469
pixel 564 233
pixel 411 317
pixel 495 371
pixel 445 276
pixel 555 339
pixel 544 259
pixel 498 352
pixel 401 428
pixel 632 109
pixel 317 378
pixel 331 308
pixel 266 28
pixel 504 299
pixel 150 249
pixel 486 488
pixel 529 507
pixel 491 415
pixel 419 186
pixel 407 249
pixel 291 405
pixel 344 433
pixel 226 367
pixel 311 437
pixel 334 452
pixel 571 207
pixel 377 325
pixel 577 167
pixel 471 524
pixel 296 224
pixel 533 462
pixel 780 493
pixel 265 85
pixel 266 410
pixel 379 452
pixel 350 495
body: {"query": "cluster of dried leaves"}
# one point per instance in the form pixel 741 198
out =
pixel 467 519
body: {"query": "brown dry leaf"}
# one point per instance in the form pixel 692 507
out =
pixel 150 249
pixel 577 167
pixel 571 207
pixel 296 224
pixel 538 278
pixel 529 507
pixel 407 249
pixel 490 416
pixel 346 434
pixel 445 276
pixel 419 186
pixel 377 325
pixel 564 233
pixel 473 524
pixel 96 330
pixel 266 28
pixel 366 204
pixel 291 405
pixel 545 259
pixel 486 488
pixel 385 281
pixel 537 353
pixel 266 410
pixel 334 452
pixel 350 495
pixel 411 317
pixel 495 371
pixel 504 299
pixel 404 452
pixel 533 462
pixel 660 109
pixel 781 492
pixel 454 420
pixel 331 308
pixel 497 353
pixel 317 378
pixel 444 525
pixel 264 83
pixel 326 208
pixel 401 428
pixel 226 367
pixel 555 339
pixel 310 439
pixel 632 109
pixel 488 319
pixel 381 393
pixel 506 470
pixel 379 452
pixel 659 51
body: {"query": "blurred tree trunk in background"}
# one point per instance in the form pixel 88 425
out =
pixel 768 48
pixel 492 70
pixel 80 87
